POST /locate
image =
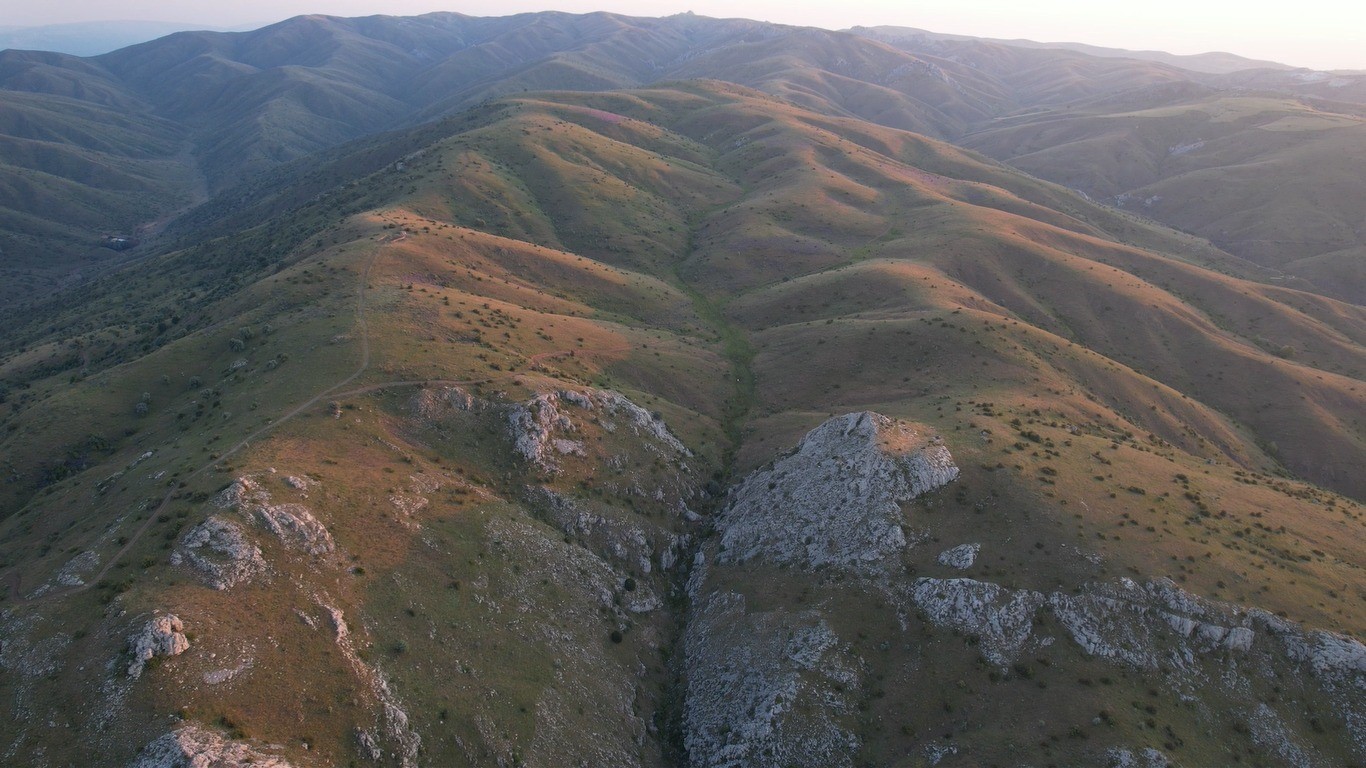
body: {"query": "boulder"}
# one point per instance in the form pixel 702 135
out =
pixel 162 636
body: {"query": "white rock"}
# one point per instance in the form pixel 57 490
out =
pixel 436 404
pixel 961 557
pixel 220 551
pixel 71 574
pixel 162 636
pixel 765 689
pixel 196 747
pixel 1001 618
pixel 296 526
pixel 293 524
pixel 836 500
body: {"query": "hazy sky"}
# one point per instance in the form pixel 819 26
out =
pixel 1313 33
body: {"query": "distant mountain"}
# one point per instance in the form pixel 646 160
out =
pixel 230 105
pixel 1215 63
pixel 88 38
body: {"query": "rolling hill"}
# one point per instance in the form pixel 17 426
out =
pixel 666 418
pixel 213 109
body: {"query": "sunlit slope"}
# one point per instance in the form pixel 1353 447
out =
pixel 1276 180
pixel 1120 401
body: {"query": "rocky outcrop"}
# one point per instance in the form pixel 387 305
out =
pixel 1119 757
pixel 766 689
pixel 162 636
pixel 219 551
pixel 836 500
pixel 533 425
pixel 622 540
pixel 1158 626
pixel 639 420
pixel 1140 626
pixel 397 727
pixel 296 526
pixel 196 747
pixel 1002 619
pixel 777 686
pixel 961 557
pixel 293 524
pixel 542 430
pixel 1338 664
pixel 77 568
pixel 770 678
pixel 436 404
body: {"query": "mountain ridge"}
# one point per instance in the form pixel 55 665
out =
pixel 615 427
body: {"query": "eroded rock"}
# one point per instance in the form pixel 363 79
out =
pixel 196 747
pixel 836 500
pixel 293 524
pixel 220 552
pixel 542 429
pixel 162 636
pixel 765 689
pixel 1002 618
pixel 961 557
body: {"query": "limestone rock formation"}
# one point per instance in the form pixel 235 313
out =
pixel 162 636
pixel 195 747
pixel 775 687
pixel 766 688
pixel 961 557
pixel 220 552
pixel 293 524
pixel 533 425
pixel 836 500
pixel 542 429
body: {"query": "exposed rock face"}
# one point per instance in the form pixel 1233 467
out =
pixel 1001 618
pixel 72 574
pixel 749 676
pixel 533 425
pixel 1338 663
pixel 162 636
pixel 836 500
pixel 771 679
pixel 641 421
pixel 1159 626
pixel 220 552
pixel 542 430
pixel 777 687
pixel 623 540
pixel 293 524
pixel 1140 626
pixel 961 557
pixel 196 747
pixel 397 727
pixel 1118 757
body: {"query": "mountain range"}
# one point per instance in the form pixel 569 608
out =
pixel 586 389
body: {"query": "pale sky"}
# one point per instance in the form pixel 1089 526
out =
pixel 1322 34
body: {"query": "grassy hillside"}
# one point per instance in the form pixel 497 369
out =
pixel 196 113
pixel 424 352
pixel 1271 179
